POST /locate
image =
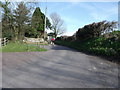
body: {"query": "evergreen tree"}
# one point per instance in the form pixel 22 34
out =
pixel 37 21
pixel 22 19
pixel 48 24
pixel 37 24
pixel 7 20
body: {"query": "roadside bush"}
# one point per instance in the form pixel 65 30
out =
pixel 96 38
pixel 95 30
pixel 58 38
pixel 70 38
pixel 114 36
pixel 8 35
pixel 98 46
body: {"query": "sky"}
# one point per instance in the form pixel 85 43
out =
pixel 78 14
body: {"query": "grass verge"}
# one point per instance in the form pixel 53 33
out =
pixel 20 47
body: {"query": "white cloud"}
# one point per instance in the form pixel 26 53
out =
pixel 100 13
pixel 69 19
pixel 69 33
pixel 104 14
pixel 99 17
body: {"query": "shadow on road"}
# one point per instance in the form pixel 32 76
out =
pixel 58 47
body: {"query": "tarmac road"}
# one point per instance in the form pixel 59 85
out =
pixel 59 67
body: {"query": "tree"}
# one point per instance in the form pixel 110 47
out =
pixel 95 30
pixel 48 24
pixel 21 19
pixel 7 20
pixel 58 27
pixel 37 21
pixel 37 24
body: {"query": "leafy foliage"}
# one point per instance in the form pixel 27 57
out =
pixel 7 20
pixel 17 22
pixel 31 32
pixel 107 44
pixel 37 21
pixel 37 24
pixel 21 19
pixel 95 30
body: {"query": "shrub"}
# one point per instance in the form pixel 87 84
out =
pixel 58 38
pixel 95 30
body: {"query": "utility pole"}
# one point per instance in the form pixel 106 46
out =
pixel 45 20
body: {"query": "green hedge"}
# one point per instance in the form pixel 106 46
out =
pixel 97 46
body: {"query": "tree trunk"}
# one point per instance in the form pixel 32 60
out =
pixel 55 36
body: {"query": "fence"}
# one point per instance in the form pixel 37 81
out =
pixel 3 41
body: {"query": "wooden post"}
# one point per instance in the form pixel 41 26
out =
pixel 4 41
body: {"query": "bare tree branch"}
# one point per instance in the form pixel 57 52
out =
pixel 58 26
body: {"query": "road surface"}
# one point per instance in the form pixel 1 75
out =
pixel 59 67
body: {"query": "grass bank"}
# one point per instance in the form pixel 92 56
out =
pixel 21 47
pixel 99 46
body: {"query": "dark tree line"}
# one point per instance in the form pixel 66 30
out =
pixel 19 22
pixel 95 30
pixel 7 19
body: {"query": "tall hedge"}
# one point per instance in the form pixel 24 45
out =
pixel 95 30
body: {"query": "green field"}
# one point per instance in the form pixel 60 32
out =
pixel 21 47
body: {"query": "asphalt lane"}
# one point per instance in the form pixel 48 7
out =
pixel 59 67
